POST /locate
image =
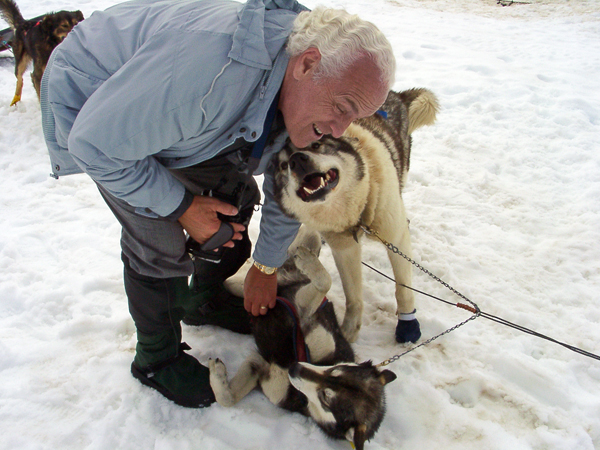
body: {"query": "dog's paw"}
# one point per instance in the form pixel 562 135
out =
pixel 217 369
pixel 219 382
pixel 408 331
pixel 303 257
pixel 350 330
pixel 16 99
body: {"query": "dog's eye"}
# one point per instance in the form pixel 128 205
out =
pixel 284 165
pixel 315 145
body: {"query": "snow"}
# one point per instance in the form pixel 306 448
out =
pixel 504 201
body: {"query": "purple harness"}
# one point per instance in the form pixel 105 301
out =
pixel 301 351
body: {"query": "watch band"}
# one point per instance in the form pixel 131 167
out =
pixel 265 269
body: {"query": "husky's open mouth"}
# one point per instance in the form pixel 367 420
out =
pixel 317 185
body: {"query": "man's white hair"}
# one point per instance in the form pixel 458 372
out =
pixel 342 39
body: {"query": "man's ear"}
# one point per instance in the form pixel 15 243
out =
pixel 307 63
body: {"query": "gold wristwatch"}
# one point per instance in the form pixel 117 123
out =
pixel 265 269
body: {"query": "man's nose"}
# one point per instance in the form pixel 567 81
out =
pixel 339 126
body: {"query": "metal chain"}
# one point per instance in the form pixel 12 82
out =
pixel 475 309
pixel 428 341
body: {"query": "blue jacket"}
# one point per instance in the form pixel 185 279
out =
pixel 150 85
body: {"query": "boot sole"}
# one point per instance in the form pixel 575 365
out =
pixel 181 401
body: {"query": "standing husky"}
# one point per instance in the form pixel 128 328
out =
pixel 336 185
pixel 345 399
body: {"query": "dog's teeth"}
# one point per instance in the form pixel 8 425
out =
pixel 311 190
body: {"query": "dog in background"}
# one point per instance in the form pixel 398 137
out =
pixel 335 185
pixel 345 399
pixel 35 39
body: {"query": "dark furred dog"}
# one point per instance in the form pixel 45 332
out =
pixel 345 399
pixel 35 39
pixel 337 184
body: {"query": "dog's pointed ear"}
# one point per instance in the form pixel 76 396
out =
pixel 78 15
pixel 46 24
pixel 387 376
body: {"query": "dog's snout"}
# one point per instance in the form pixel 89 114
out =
pixel 298 158
pixel 299 163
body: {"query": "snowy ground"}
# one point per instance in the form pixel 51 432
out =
pixel 504 201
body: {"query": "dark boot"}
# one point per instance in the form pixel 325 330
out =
pixel 179 377
pixel 157 306
pixel 216 306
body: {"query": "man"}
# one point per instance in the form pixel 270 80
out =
pixel 170 107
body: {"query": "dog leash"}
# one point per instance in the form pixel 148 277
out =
pixel 5 45
pixel 472 307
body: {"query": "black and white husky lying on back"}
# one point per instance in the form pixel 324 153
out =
pixel 317 377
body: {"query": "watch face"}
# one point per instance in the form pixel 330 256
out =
pixel 264 269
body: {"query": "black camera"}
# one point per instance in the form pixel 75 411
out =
pixel 212 250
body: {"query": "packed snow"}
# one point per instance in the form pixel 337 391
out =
pixel 503 197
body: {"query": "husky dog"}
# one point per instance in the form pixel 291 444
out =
pixel 345 399
pixel 335 185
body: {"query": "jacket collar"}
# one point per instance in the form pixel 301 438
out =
pixel 261 33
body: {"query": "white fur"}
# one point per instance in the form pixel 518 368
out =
pixel 275 387
pixel 320 343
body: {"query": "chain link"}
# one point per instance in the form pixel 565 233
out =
pixel 476 311
pixel 428 341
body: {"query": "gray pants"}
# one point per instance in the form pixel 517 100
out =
pixel 154 249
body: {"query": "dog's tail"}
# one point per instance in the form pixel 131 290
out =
pixel 11 13
pixel 422 107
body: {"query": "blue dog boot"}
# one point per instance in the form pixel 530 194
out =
pixel 408 328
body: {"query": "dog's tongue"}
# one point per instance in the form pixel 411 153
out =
pixel 314 182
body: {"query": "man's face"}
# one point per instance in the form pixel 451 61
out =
pixel 312 108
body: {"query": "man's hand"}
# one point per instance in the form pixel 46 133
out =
pixel 201 222
pixel 260 291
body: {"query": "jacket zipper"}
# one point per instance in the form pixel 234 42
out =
pixel 263 88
